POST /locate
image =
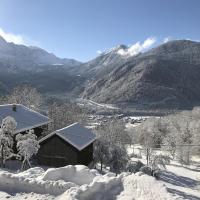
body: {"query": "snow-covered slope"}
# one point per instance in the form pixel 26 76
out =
pixel 166 77
pixel 105 62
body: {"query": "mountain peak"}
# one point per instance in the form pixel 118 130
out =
pixel 115 49
pixel 121 46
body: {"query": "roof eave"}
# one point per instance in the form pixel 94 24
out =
pixel 32 127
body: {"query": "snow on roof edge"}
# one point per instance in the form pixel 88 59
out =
pixel 66 127
pixel 62 137
pixel 74 145
pixel 54 132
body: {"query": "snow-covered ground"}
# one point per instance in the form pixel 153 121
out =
pixel 183 181
pixel 79 182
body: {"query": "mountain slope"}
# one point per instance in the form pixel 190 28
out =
pixel 105 62
pixel 20 64
pixel 19 57
pixel 164 77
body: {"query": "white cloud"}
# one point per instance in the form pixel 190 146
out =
pixel 148 42
pixel 137 47
pixel 10 37
pixel 17 39
pixel 99 52
pixel 167 39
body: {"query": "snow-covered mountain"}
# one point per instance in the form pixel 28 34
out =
pixel 166 76
pixel 106 62
pixel 20 64
pixel 20 57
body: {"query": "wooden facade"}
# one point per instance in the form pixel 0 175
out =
pixel 57 152
pixel 38 131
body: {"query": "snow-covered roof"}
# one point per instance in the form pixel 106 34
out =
pixel 75 134
pixel 26 118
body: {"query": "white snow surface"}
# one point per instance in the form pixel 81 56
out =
pixel 78 174
pixel 79 183
pixel 123 187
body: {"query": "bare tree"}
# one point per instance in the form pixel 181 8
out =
pixel 175 133
pixel 111 145
pixel 114 132
pixel 26 95
pixel 101 152
pixel 158 162
pixel 65 114
pixel 148 136
pixel 118 158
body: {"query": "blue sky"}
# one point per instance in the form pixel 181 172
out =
pixel 80 28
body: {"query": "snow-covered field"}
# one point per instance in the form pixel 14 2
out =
pixel 182 181
pixel 79 182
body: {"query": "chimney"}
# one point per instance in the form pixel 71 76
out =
pixel 14 107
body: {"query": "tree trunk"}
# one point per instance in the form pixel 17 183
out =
pixel 25 165
pixel 101 166
pixel 188 156
pixel 147 157
pixel 2 155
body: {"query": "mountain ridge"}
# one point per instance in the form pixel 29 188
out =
pixel 23 57
pixel 166 76
pixel 137 80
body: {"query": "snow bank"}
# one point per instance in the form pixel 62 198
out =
pixel 79 182
pixel 123 187
pixel 30 173
pixel 99 189
pixel 27 182
pixel 78 174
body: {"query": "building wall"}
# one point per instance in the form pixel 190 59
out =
pixel 39 131
pixel 56 152
pixel 85 156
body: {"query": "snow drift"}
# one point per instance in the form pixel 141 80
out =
pixel 31 181
pixel 81 183
pixel 123 187
pixel 78 174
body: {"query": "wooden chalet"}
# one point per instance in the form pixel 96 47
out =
pixel 71 145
